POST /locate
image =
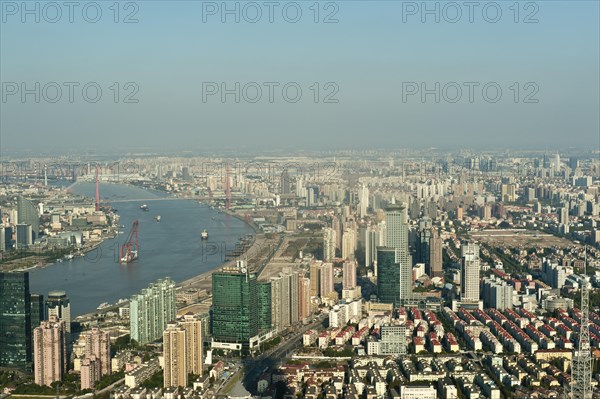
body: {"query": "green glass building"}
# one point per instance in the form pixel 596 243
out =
pixel 15 320
pixel 388 276
pixel 264 305
pixel 235 306
pixel 397 237
pixel 38 312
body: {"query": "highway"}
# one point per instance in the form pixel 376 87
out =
pixel 110 387
pixel 254 366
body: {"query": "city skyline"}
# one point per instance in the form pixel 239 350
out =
pixel 349 199
pixel 412 259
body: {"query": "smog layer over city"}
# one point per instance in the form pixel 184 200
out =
pixel 353 199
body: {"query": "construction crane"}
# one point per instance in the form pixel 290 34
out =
pixel 581 367
pixel 129 250
pixel 97 191
pixel 227 189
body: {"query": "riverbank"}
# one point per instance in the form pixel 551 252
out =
pixel 202 281
pixel 40 258
pixel 40 254
pixel 251 224
pixel 211 253
pixel 170 248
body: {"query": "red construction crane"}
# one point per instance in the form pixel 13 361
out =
pixel 227 189
pixel 129 250
pixel 97 191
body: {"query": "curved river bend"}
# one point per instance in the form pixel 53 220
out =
pixel 171 247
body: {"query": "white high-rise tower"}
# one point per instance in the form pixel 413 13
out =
pixel 469 276
pixel 363 198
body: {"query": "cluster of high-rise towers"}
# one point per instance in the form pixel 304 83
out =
pixel 34 334
pixel 246 310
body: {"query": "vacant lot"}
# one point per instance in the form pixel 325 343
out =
pixel 519 238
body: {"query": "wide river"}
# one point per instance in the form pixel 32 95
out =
pixel 171 247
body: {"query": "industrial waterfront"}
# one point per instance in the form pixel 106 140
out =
pixel 171 247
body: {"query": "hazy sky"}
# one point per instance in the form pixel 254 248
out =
pixel 375 61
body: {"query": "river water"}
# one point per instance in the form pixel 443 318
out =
pixel 171 247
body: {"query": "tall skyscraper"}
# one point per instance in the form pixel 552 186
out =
pixel 59 305
pixel 24 236
pixel 15 320
pixel 312 196
pixel 388 276
pixel 38 310
pixel 284 300
pixel 336 225
pixel 235 305
pixel 326 288
pixel 436 247
pixel 396 220
pixel 151 310
pixel 27 213
pixel 321 279
pixel 374 237
pixel 315 278
pixel 8 236
pixel 546 161
pixel 304 309
pixel 431 209
pixel 2 239
pixel 564 215
pixel 423 243
pixel 469 276
pixel 185 173
pixel 174 352
pixel 193 343
pixel 415 208
pixel 264 306
pixel 49 351
pixel 508 192
pixel 363 201
pixel 285 183
pixel 429 248
pixel 573 163
pixel 300 187
pixel 348 243
pixel 349 275
pixel 329 243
